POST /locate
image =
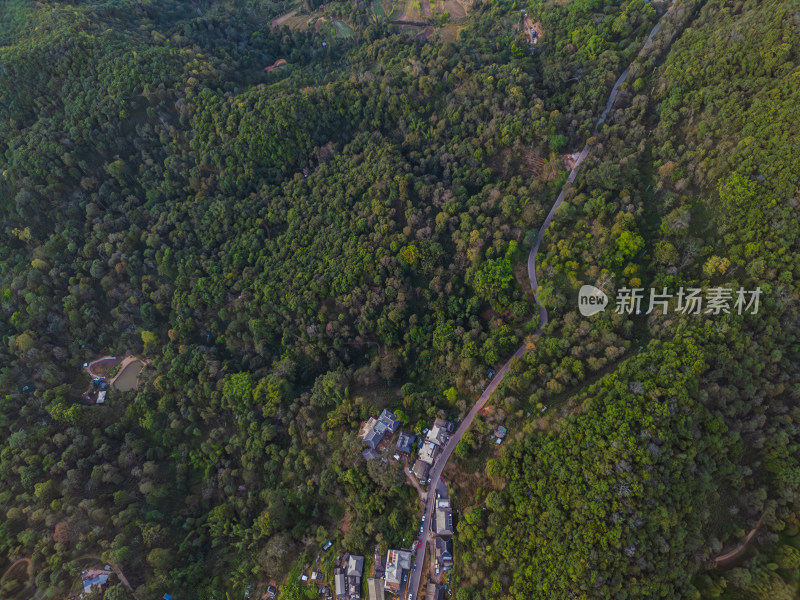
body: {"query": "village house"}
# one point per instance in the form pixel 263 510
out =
pixel 500 432
pixel 420 469
pixel 355 567
pixel 437 435
pixel 444 553
pixel 391 422
pixel 428 452
pixel 375 588
pixel 398 563
pixel 444 424
pixel 434 592
pixel 405 442
pixel 372 432
pixel 339 584
pixel 94 578
pixel 374 429
pixel 370 454
pixel 443 519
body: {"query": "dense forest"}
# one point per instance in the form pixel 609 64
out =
pixel 295 249
pixel 680 437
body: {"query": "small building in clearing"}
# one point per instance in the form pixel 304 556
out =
pixel 94 578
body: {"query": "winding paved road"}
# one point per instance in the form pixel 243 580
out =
pixel 441 461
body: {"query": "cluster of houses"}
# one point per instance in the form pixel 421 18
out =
pixel 378 433
pixel 347 578
pixel 435 438
pixel 374 435
pixel 442 529
pixel 374 431
pixel 97 392
pixel 390 577
pixel 318 579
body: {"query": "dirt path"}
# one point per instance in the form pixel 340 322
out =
pixel 15 564
pixel 723 560
pixel 105 361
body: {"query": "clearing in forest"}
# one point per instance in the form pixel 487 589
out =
pixel 412 11
pixel 387 9
pixel 457 9
pixel 533 31
pixel 450 32
pixel 283 18
pixel 343 30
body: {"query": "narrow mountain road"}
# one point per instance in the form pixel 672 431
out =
pixel 441 461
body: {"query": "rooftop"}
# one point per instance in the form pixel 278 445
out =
pixel 397 561
pixel 420 469
pixel 389 420
pixel 98 580
pixel 428 452
pixel 405 442
pixel 444 518
pixel 355 566
pixel 437 435
pixel 375 588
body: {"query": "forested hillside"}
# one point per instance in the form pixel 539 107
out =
pixel 296 249
pixel 640 475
